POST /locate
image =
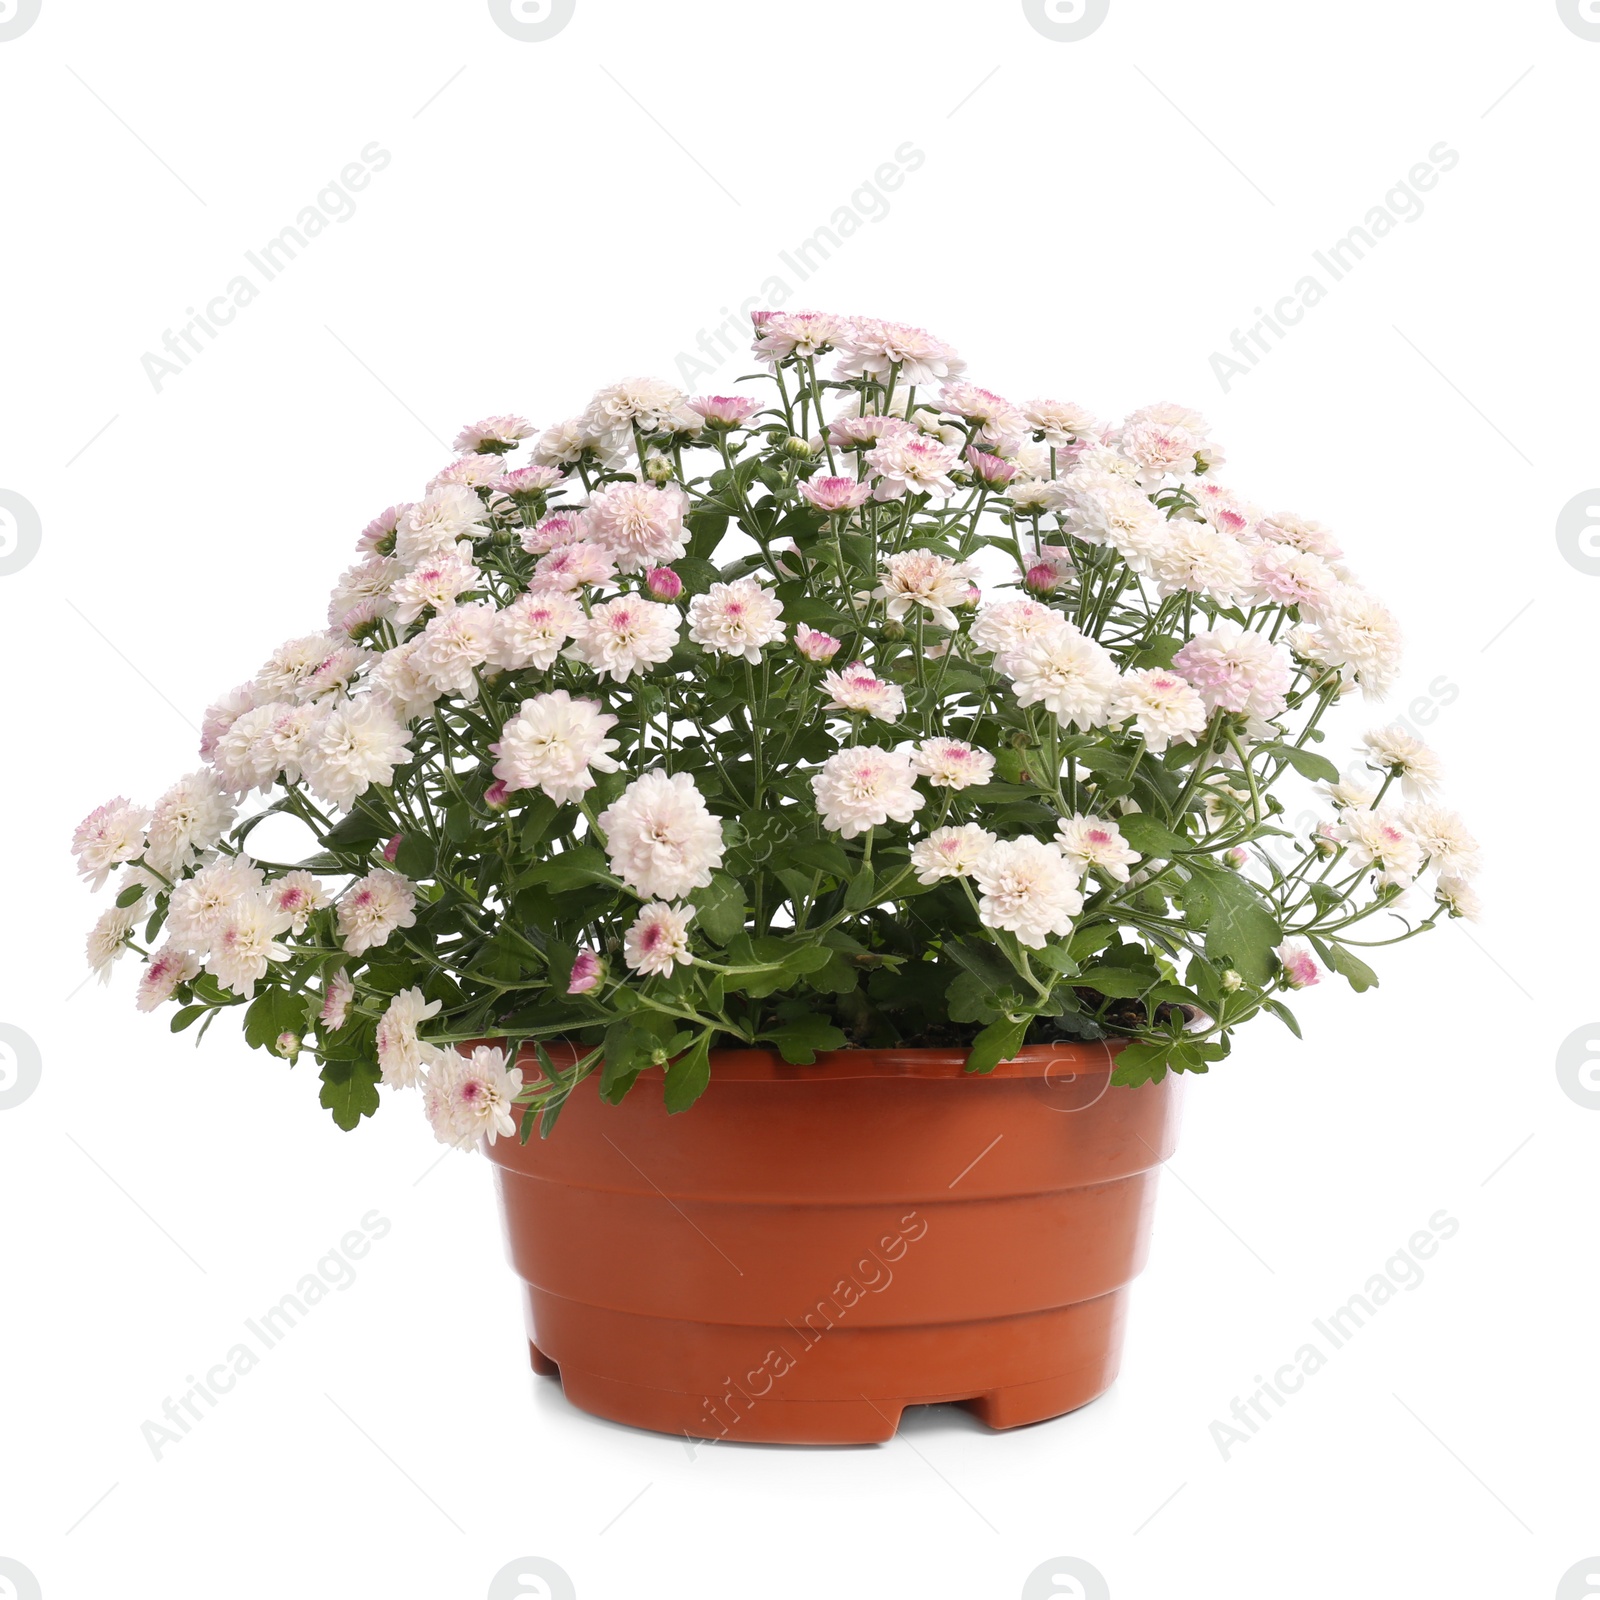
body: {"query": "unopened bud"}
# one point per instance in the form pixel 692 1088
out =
pixel 658 469
pixel 799 448
pixel 497 796
pixel 1041 578
pixel 663 583
pixel 287 1045
pixel 1232 981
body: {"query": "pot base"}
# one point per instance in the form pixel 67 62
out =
pixel 800 1376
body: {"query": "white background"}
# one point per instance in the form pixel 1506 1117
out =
pixel 1092 220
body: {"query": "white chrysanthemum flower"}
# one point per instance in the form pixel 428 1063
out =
pixel 1060 421
pixel 1009 624
pixel 566 568
pixel 651 404
pixel 356 744
pixel 626 635
pixel 108 836
pixel 1195 558
pixel 501 430
pixel 562 444
pixel 555 743
pixel 285 673
pixel 1300 533
pixel 244 941
pixel 165 970
pixel 1442 836
pixel 1237 670
pixel 1459 898
pixel 399 1050
pixel 200 904
pixel 1397 750
pixel 373 907
pixel 912 463
pixel 107 942
pixel 437 583
pixel 661 840
pixel 247 756
pixel 437 524
pixel 915 355
pixel 923 580
pixel 953 763
pixel 659 939
pixel 1164 707
pixel 866 787
pixel 1160 451
pixel 468 1098
pixel 338 993
pixel 1354 791
pixel 369 580
pixel 950 852
pixel 1069 673
pixel 1089 842
pixel 1380 839
pixel 736 619
pixel 454 645
pixel 804 333
pixel 475 471
pixel 1103 509
pixel 1288 577
pixel 858 688
pixel 637 524
pixel 190 817
pixel 222 714
pixel 399 685
pixel 532 629
pixel 296 895
pixel 1027 887
pixel 1357 631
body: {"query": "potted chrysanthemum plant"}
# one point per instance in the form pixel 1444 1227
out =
pixel 900 772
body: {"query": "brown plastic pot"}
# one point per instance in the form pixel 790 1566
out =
pixel 811 1249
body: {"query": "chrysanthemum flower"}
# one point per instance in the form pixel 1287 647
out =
pixel 1163 705
pixel 865 787
pixel 953 763
pixel 108 836
pixel 1090 842
pixel 1300 969
pixel 858 689
pixel 638 524
pixel 1238 670
pixel 736 619
pixel 658 940
pixel 532 629
pixel 950 852
pixel 835 494
pixel 556 744
pixel 492 431
pixel 356 744
pixel 373 907
pixel 625 636
pixel 1065 671
pixel 1027 888
pixel 468 1098
pixel 399 1049
pixel 1397 750
pixel 661 839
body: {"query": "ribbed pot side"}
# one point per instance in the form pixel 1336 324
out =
pixel 811 1249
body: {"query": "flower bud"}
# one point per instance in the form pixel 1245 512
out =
pixel 497 796
pixel 658 469
pixel 587 971
pixel 1232 981
pixel 1041 578
pixel 815 645
pixel 663 583
pixel 392 849
pixel 799 448
pixel 287 1045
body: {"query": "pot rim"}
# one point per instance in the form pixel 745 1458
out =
pixel 1066 1059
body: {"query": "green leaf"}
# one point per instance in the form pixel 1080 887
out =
pixel 1284 1015
pixel 272 1012
pixel 1115 982
pixel 719 908
pixel 1350 967
pixel 1150 838
pixel 822 855
pixel 1141 1062
pixel 688 1076
pixel 1240 931
pixel 863 890
pixel 970 999
pixel 354 831
pixel 131 896
pixel 537 817
pixel 803 1033
pixel 1306 762
pixel 189 1014
pixel 1000 1041
pixel 350 1091
pixel 415 857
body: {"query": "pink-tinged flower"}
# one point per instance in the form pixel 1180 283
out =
pixel 559 528
pixel 373 907
pixel 469 472
pixel 108 836
pixel 1293 577
pixel 626 635
pixel 587 971
pixel 287 1045
pixel 532 629
pixel 244 943
pixel 912 463
pixel 659 939
pixel 1380 839
pixel 296 895
pixel 736 619
pixel 468 1098
pixel 1159 452
pixel 782 334
pixel 725 410
pixel 1237 670
pixel 1164 706
pixel 222 714
pixel 990 470
pixel 815 645
pixel 871 346
pixel 435 584
pixel 492 433
pixel 953 763
pixel 1060 421
pixel 1089 842
pixel 377 538
pixel 1300 969
pixel 570 567
pixel 392 848
pixel 1010 624
pixel 950 852
pixel 852 432
pixel 865 787
pixel 663 584
pixel 760 319
pixel 980 405
pixel 1028 888
pixel 858 689
pixel 1286 527
pixel 640 525
pixel 1238 858
pixel 1041 578
pixel 835 494
pixel 167 968
pixel 528 480
pixel 924 580
pixel 497 796
pixel 337 994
